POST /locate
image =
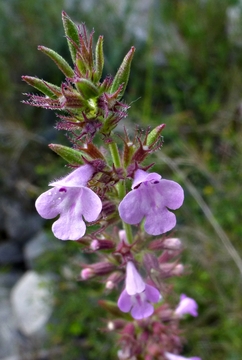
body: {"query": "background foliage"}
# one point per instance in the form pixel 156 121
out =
pixel 187 73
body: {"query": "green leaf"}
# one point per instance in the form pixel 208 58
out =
pixel 60 62
pixel 72 156
pixel 154 135
pixel 72 35
pixel 99 59
pixel 122 76
pixel 45 87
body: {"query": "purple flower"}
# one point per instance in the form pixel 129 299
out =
pixel 170 356
pixel 150 198
pixel 137 295
pixel 70 198
pixel 186 306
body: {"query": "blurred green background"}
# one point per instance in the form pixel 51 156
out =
pixel 187 73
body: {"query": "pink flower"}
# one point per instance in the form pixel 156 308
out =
pixel 186 306
pixel 70 198
pixel 137 295
pixel 170 356
pixel 150 198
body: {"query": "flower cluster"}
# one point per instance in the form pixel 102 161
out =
pixel 98 208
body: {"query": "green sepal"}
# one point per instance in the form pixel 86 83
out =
pixel 154 135
pixel 45 87
pixel 72 35
pixel 87 89
pixel 122 76
pixel 72 156
pixel 99 59
pixel 60 62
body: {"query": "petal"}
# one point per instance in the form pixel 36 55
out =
pixel 142 176
pixel 69 226
pixel 152 294
pixel 49 203
pixel 170 356
pixel 129 208
pixel 124 301
pixel 76 178
pixel 134 282
pixel 159 221
pixel 186 306
pixel 172 193
pixel 92 205
pixel 142 310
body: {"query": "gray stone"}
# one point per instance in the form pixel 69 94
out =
pixel 31 302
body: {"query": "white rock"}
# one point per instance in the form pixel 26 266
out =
pixel 31 301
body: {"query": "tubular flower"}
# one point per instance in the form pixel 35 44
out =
pixel 150 198
pixel 73 201
pixel 170 356
pixel 186 306
pixel 137 295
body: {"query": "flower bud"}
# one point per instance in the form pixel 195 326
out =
pixel 171 269
pixel 102 244
pixel 115 324
pixel 98 269
pixel 87 274
pixel 113 280
pixel 167 255
pixel 172 244
pixel 166 244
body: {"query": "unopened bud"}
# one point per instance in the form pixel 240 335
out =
pixel 166 244
pixel 122 236
pixel 172 244
pixel 171 269
pixel 115 324
pixel 113 280
pixel 87 274
pixel 98 269
pixel 102 244
pixel 168 255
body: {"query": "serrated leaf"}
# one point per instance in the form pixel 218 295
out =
pixel 72 35
pixel 59 60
